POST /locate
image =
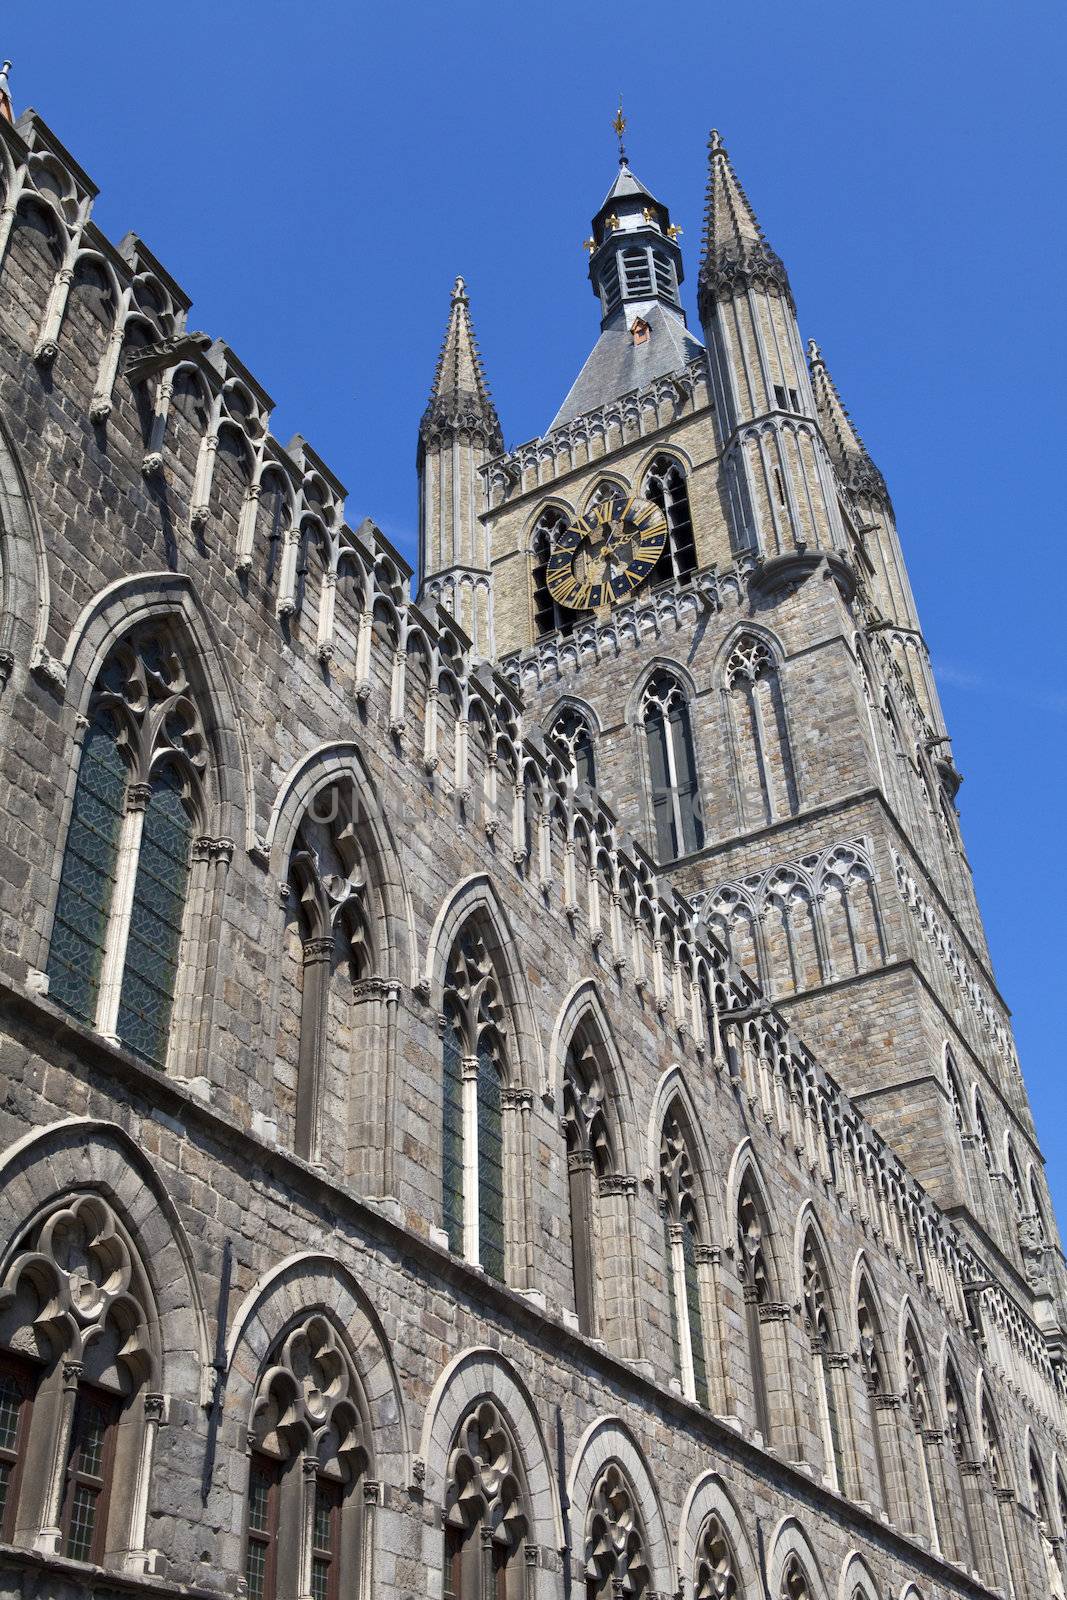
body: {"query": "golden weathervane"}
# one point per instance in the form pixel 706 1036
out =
pixel 619 125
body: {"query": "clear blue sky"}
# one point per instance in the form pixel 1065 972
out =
pixel 315 175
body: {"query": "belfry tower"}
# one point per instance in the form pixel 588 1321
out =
pixel 759 708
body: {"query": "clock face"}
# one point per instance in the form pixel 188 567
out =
pixel 603 556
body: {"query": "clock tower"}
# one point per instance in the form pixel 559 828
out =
pixel 696 585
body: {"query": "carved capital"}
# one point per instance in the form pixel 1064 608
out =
pixel 154 1405
pixel 516 1099
pixel 7 666
pixel 773 1311
pixel 317 950
pixel 72 1372
pixel 617 1183
pixel 99 409
pixel 138 796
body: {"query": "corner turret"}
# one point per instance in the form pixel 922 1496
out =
pixel 458 433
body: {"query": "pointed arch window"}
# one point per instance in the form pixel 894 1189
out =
pixel 616 1545
pixel 139 799
pixel 486 1513
pixel 337 915
pixel 1045 1531
pixel 665 485
pixel 961 1445
pixel 955 1093
pixel 80 1402
pixel 765 772
pixel 985 1138
pixel 753 1269
pixel 881 1401
pixel 795 1585
pixel 475 1070
pixel 679 1205
pixel 590 1159
pixel 308 1457
pixel 826 1358
pixel 676 808
pixel 920 1408
pixel 549 616
pixel 716 1566
pixel 572 730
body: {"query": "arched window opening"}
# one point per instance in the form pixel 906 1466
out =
pixel 79 1371
pixel 957 1431
pixel 616 1559
pixel 920 1409
pixel 665 485
pixel 332 892
pixel 826 1359
pixel 308 1440
pixel 716 1568
pixel 681 1221
pixel 795 1584
pixel 572 731
pixel 881 1400
pixel 1016 1180
pixel 474 1071
pixel 549 616
pixel 955 1093
pixel 765 772
pixel 985 1138
pixel 676 808
pixel 590 1158
pixel 486 1516
pixel 1045 1530
pixel 140 793
pixel 754 1271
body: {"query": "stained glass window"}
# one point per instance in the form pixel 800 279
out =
pixel 452 1139
pixel 156 920
pixel 490 1163
pixel 87 882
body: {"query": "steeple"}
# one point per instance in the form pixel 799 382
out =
pixel 736 253
pixel 635 268
pixel 458 433
pixel 782 495
pixel 847 450
pixel 460 399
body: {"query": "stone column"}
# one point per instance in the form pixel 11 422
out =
pixel 621 1297
pixel 50 1534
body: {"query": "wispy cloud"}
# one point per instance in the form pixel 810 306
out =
pixel 959 677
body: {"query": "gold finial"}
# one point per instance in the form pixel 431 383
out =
pixel 619 125
pixel 589 244
pixel 613 221
pixel 674 231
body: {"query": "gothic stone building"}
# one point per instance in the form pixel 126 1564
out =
pixel 504 1093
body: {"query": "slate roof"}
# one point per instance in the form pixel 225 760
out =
pixel 616 365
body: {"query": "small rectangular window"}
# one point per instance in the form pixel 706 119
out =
pixel 779 396
pixel 17 1383
pixel 794 400
pixel 83 1519
pixel 326 1540
pixel 261 1554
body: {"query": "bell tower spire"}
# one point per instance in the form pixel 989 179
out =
pixel 783 499
pixel 458 433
